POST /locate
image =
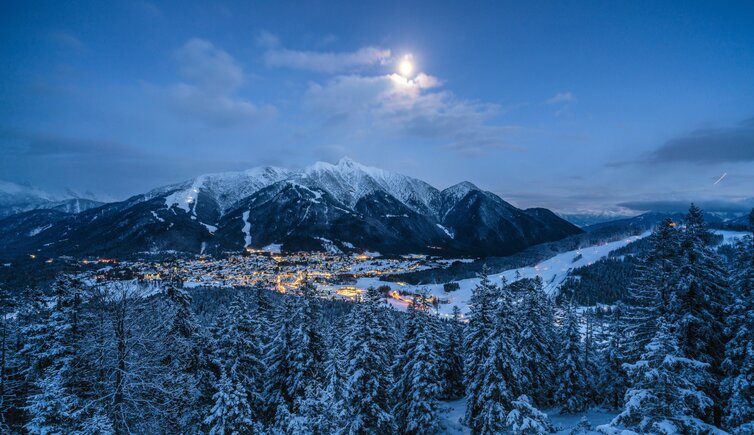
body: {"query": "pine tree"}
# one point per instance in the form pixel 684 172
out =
pixel 278 386
pixel 52 409
pixel 650 290
pixel 239 345
pixel 451 355
pixel 571 388
pixel 231 413
pixel 181 359
pixel 52 346
pixel 500 371
pixel 738 385
pixel 367 402
pixel 525 419
pixel 536 343
pixel 478 343
pixel 697 306
pixel 664 397
pixel 613 379
pixel 418 385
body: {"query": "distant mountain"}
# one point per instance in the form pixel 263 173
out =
pixel 17 198
pixel 343 207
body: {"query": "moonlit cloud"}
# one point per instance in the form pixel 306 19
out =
pixel 212 79
pixel 396 106
pixel 327 62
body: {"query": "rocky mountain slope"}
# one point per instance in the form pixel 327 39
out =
pixel 344 207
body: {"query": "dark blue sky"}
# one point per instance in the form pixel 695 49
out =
pixel 571 105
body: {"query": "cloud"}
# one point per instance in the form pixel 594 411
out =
pixel 267 40
pixel 561 97
pixel 680 206
pixel 327 62
pixel 209 92
pixel 56 146
pixel 709 146
pixel 394 105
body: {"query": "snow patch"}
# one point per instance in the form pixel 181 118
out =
pixel 38 230
pixel 157 217
pixel 447 231
pixel 246 230
pixel 329 246
pixel 274 248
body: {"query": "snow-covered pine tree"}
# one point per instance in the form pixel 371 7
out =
pixel 698 304
pixel 367 402
pixel 649 291
pixel 418 385
pixel 278 392
pixel 50 348
pixel 451 358
pixel 526 419
pixel 612 379
pixel 536 343
pixel 231 413
pixel 477 342
pixel 664 396
pixel 239 349
pixel 311 353
pixel 500 372
pixel 52 408
pixel 571 390
pixel 181 359
pixel 738 385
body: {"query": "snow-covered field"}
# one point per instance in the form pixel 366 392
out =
pixel 553 271
pixel 452 412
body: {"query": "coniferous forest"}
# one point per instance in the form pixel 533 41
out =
pixel 673 353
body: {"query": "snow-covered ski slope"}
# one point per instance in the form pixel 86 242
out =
pixel 553 272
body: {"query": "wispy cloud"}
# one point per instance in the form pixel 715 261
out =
pixel 211 82
pixel 266 39
pixel 326 62
pixel 561 97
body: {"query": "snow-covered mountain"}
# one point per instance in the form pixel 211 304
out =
pixel 17 198
pixel 336 207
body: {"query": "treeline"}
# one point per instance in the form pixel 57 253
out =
pixel 675 356
pixel 602 282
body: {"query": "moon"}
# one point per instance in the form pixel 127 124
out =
pixel 406 68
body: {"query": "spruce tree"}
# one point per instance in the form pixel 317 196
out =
pixel 664 396
pixel 536 343
pixel 231 413
pixel 500 372
pixel 478 343
pixel 418 385
pixel 525 419
pixel 367 402
pixel 571 389
pixel 451 358
pixel 651 287
pixel 738 385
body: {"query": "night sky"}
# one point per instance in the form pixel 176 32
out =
pixel 572 105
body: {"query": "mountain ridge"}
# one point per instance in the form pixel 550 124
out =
pixel 342 207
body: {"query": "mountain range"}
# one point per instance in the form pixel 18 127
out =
pixel 17 198
pixel 343 207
